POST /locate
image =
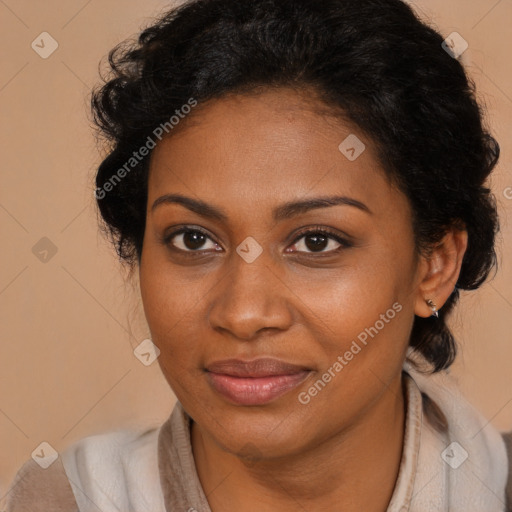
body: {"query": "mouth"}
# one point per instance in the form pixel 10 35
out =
pixel 255 382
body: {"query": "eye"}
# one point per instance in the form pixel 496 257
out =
pixel 309 241
pixel 190 239
pixel 319 240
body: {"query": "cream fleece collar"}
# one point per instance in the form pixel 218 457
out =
pixel 453 460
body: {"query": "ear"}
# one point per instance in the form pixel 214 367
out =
pixel 439 271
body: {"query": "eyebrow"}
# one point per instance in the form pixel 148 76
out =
pixel 284 211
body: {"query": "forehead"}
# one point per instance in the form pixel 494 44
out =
pixel 266 148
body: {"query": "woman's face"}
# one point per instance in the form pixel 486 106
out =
pixel 246 282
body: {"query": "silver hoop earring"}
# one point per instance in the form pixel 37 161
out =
pixel 432 305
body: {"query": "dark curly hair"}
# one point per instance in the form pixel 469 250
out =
pixel 374 62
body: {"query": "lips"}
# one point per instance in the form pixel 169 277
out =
pixel 254 382
pixel 262 367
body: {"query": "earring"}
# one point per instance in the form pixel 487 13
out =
pixel 432 305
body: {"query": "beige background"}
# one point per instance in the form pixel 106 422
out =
pixel 69 325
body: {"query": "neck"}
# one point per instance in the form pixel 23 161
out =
pixel 334 474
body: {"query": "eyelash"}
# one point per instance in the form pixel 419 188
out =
pixel 317 230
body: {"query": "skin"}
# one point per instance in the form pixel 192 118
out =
pixel 247 155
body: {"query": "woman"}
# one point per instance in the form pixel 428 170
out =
pixel 301 187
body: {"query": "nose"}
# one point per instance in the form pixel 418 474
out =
pixel 251 298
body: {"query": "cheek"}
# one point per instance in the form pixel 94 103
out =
pixel 167 294
pixel 363 314
pixel 166 304
pixel 173 300
pixel 352 297
pixel 163 298
pixel 359 351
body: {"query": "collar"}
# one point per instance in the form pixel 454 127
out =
pixel 452 459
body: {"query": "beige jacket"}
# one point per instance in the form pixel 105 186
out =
pixel 154 471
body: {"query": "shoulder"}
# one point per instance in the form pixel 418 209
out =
pixel 449 418
pixel 110 449
pixel 507 437
pixel 117 469
pixel 36 489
